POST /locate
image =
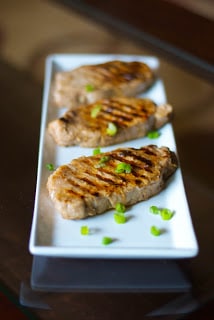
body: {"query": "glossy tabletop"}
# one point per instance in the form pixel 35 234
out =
pixel 21 98
pixel 171 28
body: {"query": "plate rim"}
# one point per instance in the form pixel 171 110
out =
pixel 53 251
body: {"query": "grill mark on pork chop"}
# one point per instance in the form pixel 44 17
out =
pixel 106 177
pixel 109 79
pixel 82 188
pixel 133 117
pixel 79 185
pixel 105 174
pixel 112 111
pixel 134 165
pixel 132 156
pixel 122 113
pixel 119 71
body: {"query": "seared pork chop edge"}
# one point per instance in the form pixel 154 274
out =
pixel 83 188
pixel 133 118
pixel 89 83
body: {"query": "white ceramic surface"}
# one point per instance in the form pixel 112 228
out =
pixel 51 235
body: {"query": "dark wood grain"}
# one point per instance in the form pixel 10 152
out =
pixel 174 32
pixel 20 121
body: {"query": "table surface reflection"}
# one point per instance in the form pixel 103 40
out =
pixel 21 95
pixel 172 30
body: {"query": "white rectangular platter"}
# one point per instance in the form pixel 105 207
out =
pixel 51 235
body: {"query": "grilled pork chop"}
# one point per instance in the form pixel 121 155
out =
pixel 89 83
pixel 89 186
pixel 88 126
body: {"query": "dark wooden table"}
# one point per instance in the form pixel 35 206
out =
pixel 20 114
pixel 176 33
pixel 21 98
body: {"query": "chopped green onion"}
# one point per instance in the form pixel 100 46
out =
pixel 166 214
pixel 96 151
pixel 96 110
pixel 111 129
pixel 50 167
pixel 84 230
pixel 120 218
pixel 103 161
pixel 89 87
pixel 120 207
pixel 154 210
pixel 155 231
pixel 153 134
pixel 106 240
pixel 123 168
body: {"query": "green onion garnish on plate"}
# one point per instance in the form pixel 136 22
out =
pixel 120 218
pixel 120 207
pixel 89 87
pixel 111 129
pixel 123 167
pixel 106 241
pixel 153 134
pixel 96 109
pixel 102 162
pixel 155 231
pixel 50 166
pixel 166 214
pixel 84 230
pixel 104 159
pixel 96 151
pixel 154 210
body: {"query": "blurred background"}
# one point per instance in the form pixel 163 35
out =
pixel 32 29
